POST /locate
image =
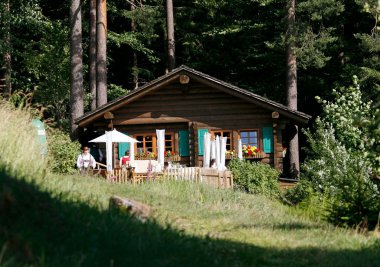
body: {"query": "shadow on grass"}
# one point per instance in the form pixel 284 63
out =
pixel 45 231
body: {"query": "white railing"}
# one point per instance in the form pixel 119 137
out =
pixel 184 173
pixel 220 179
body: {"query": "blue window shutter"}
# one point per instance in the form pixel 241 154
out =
pixel 184 143
pixel 268 139
pixel 201 133
pixel 122 148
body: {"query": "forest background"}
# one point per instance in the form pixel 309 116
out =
pixel 241 42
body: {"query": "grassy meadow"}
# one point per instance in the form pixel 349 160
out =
pixel 56 220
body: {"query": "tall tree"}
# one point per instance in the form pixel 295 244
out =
pixel 92 56
pixel 6 21
pixel 170 30
pixel 76 75
pixel 291 86
pixel 101 53
pixel 135 73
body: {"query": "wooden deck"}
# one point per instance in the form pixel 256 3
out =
pixel 218 179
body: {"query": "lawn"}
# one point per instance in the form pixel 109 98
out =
pixel 65 221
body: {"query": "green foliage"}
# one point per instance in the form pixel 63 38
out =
pixel 338 169
pixel 374 137
pixel 51 85
pixel 255 177
pixel 114 91
pixel 344 178
pixel 62 152
pixel 303 190
pixel 348 115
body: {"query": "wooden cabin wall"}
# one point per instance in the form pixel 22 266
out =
pixel 176 107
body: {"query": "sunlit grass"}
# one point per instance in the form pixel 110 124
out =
pixel 20 152
pixel 206 211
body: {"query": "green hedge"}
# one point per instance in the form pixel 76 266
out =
pixel 255 177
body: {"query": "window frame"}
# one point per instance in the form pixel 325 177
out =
pixel 154 141
pixel 259 145
pixel 224 131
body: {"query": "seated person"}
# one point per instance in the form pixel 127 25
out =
pixel 85 160
pixel 125 160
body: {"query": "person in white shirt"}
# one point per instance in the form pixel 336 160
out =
pixel 85 160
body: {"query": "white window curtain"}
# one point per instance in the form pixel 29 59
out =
pixel 206 150
pixel 223 145
pixel 160 148
pixel 240 149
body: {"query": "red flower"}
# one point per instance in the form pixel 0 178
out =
pixel 250 152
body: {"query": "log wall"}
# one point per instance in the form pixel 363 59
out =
pixel 195 106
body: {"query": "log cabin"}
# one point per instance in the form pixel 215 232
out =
pixel 187 103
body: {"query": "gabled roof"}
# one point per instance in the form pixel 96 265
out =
pixel 197 76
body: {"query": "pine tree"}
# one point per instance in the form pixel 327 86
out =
pixel 76 96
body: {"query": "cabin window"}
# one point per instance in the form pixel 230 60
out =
pixel 227 134
pixel 148 143
pixel 169 142
pixel 250 137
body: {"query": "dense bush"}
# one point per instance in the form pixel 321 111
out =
pixel 255 177
pixel 338 170
pixel 62 152
pixel 344 178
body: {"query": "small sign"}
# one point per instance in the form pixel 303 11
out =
pixel 41 135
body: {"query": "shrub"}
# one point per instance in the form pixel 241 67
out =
pixel 62 152
pixel 303 190
pixel 338 169
pixel 256 178
pixel 343 177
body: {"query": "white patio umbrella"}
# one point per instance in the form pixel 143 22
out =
pixel 206 149
pixel 223 144
pixel 160 148
pixel 240 149
pixel 110 137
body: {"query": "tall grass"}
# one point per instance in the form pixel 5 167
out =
pixel 20 151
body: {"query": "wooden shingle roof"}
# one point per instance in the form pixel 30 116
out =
pixel 174 75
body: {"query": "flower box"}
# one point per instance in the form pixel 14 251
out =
pixel 258 155
pixel 138 157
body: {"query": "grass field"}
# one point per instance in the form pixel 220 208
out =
pixel 64 221
pixel 56 220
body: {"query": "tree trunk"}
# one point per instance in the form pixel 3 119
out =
pixel 170 29
pixel 101 53
pixel 7 54
pixel 76 75
pixel 291 85
pixel 135 72
pixel 92 52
